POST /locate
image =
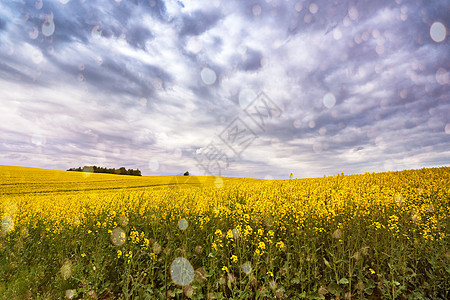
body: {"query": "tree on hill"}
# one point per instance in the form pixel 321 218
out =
pixel 95 169
pixel 186 173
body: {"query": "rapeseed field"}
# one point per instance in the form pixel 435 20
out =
pixel 70 235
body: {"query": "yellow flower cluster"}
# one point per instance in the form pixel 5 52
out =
pixel 248 213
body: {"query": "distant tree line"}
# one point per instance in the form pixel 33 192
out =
pixel 95 169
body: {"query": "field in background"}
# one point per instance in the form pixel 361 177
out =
pixel 102 236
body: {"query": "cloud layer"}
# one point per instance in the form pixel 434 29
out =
pixel 169 86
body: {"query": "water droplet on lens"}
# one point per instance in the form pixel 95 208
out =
pixel 208 76
pixel 246 96
pixel 307 18
pixel 442 76
pixel 183 224
pixel 218 182
pixel 96 32
pixel 194 44
pixel 247 268
pixel 153 165
pixel 118 236
pixel 99 60
pixel 337 34
pixel 50 50
pixel 66 270
pixel 181 271
pixel 329 100
pixel 313 8
pixel 38 139
pixel 39 4
pixel 438 32
pixel 7 223
pixel 157 83
pixel 70 293
pixel 256 10
pixel 447 128
pixel 34 34
pixel 123 221
pixel 353 13
pixel 48 28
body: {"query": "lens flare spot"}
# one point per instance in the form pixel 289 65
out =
pixel 181 271
pixel 438 32
pixel 183 224
pixel 329 100
pixel 235 233
pixel 208 76
pixel 64 1
pixel 298 6
pixel 118 236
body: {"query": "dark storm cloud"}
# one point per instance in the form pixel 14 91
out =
pixel 198 22
pixel 12 73
pixel 2 24
pixel 122 81
pixel 251 61
pixel 137 36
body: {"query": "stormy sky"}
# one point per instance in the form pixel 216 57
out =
pixel 257 88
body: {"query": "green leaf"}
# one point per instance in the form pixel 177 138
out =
pixel 343 281
pixel 327 263
pixel 295 280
